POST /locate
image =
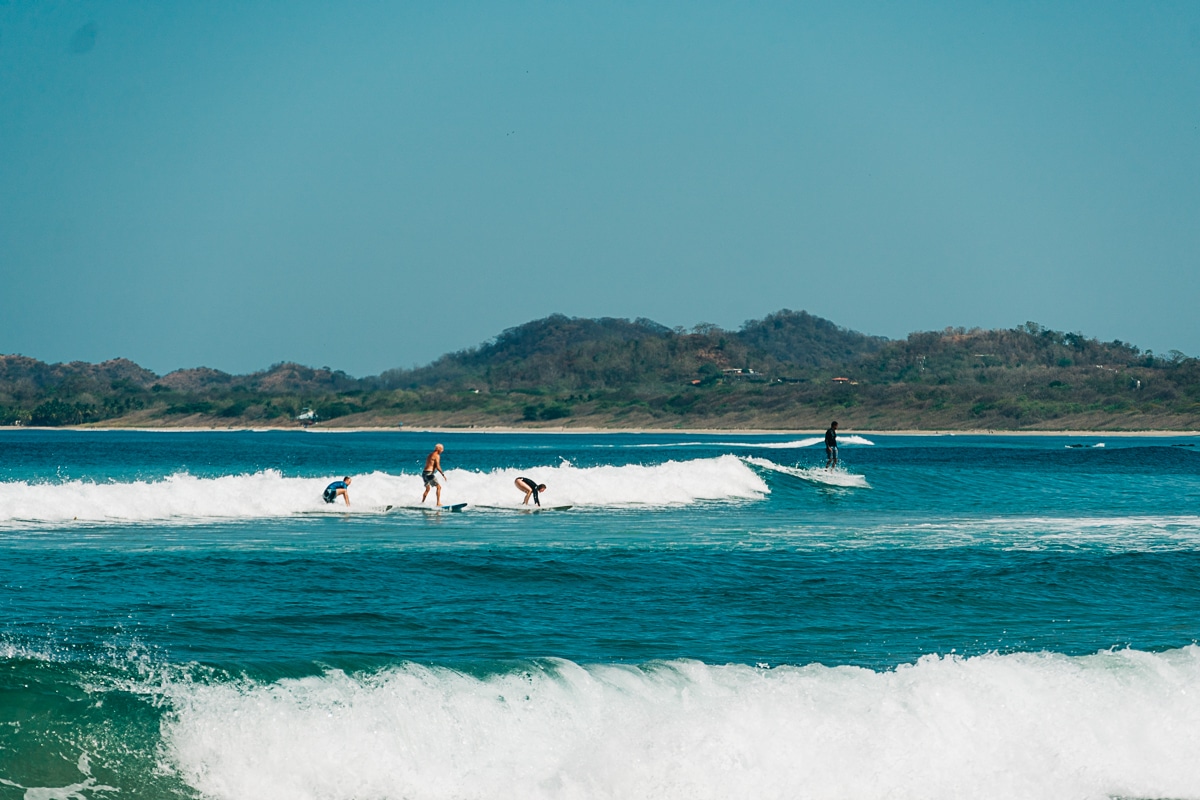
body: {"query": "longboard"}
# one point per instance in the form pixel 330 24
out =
pixel 526 510
pixel 426 509
pixel 455 507
pixel 340 509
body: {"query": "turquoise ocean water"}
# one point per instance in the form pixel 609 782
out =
pixel 181 616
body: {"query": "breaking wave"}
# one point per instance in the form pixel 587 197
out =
pixel 1032 725
pixel 269 494
pixel 794 445
pixel 1023 725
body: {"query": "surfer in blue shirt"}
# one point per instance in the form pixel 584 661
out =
pixel 530 489
pixel 338 488
pixel 831 446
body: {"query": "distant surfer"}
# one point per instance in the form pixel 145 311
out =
pixel 433 465
pixel 338 488
pixel 530 489
pixel 831 446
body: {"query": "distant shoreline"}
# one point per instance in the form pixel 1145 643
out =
pixel 632 431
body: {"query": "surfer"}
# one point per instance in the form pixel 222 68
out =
pixel 530 489
pixel 831 446
pixel 338 488
pixel 433 464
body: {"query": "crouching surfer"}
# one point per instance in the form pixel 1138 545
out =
pixel 333 490
pixel 530 489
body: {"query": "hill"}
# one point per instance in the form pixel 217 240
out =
pixel 788 370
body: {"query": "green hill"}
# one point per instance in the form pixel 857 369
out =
pixel 789 370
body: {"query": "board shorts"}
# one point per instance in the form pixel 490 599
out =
pixel 330 495
pixel 430 479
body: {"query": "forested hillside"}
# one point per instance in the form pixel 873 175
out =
pixel 788 370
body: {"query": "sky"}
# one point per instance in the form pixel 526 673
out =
pixel 373 184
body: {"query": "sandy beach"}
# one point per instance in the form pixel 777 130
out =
pixel 594 430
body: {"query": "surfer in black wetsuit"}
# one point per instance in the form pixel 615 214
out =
pixel 831 446
pixel 338 488
pixel 530 489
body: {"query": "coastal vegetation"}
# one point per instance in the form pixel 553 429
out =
pixel 789 370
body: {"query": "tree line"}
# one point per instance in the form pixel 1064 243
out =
pixel 788 370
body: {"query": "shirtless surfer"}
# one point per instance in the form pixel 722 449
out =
pixel 433 464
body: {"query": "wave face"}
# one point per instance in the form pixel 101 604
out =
pixel 268 493
pixel 829 477
pixel 1030 725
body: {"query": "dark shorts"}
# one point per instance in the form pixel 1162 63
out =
pixel 430 479
pixel 330 496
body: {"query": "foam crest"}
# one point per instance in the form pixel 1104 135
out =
pixel 179 496
pixel 270 494
pixel 794 445
pixel 1025 725
pixel 830 477
pixel 673 483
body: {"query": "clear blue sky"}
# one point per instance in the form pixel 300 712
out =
pixel 372 184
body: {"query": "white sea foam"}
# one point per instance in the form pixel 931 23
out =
pixel 72 792
pixel 674 483
pixel 1026 725
pixel 830 477
pixel 1142 534
pixel 269 494
pixel 794 445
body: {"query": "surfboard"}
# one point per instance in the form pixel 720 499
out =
pixel 524 509
pixel 455 507
pixel 340 509
pixel 427 509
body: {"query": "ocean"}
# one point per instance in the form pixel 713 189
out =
pixel 716 616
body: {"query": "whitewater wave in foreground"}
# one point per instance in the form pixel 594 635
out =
pixel 269 494
pixel 1025 725
pixel 829 477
